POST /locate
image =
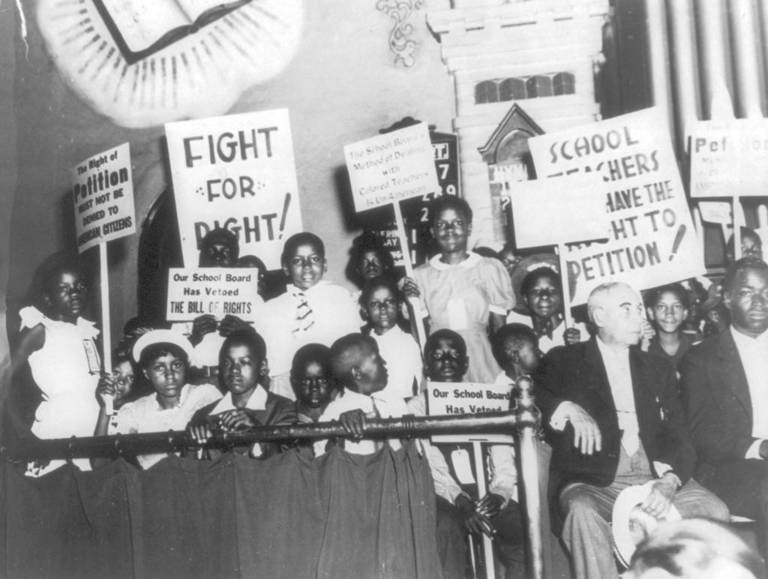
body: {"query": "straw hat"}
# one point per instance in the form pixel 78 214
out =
pixel 161 337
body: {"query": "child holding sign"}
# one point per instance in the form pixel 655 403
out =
pixel 59 346
pixel 380 306
pixel 311 310
pixel 463 291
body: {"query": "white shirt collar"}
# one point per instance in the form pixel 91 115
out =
pixel 617 354
pixel 257 401
pixel 471 261
pixel 744 341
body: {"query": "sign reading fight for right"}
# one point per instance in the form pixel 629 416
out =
pixel 102 192
pixel 651 239
pixel 236 172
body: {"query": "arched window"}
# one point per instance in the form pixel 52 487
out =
pixel 564 83
pixel 512 89
pixel 486 92
pixel 539 86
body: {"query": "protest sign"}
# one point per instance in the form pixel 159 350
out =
pixel 213 290
pixel 463 398
pixel 391 167
pixel 236 172
pixel 651 237
pixel 729 159
pixel 552 212
pixel 102 194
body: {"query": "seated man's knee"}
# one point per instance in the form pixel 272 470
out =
pixel 575 503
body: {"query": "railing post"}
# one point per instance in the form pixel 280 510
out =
pixel 528 417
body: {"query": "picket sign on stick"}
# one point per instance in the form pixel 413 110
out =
pixel 386 169
pixel 482 489
pixel 102 195
pixel 738 222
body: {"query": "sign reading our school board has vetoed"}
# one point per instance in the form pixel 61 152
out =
pixel 651 239
pixel 237 172
pixel 465 398
pixel 729 158
pixel 102 193
pixel 391 167
pixel 213 290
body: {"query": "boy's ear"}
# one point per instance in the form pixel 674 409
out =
pixel 286 271
pixel 264 369
pixel 364 314
pixel 146 374
pixel 355 373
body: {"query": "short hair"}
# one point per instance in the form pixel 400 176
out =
pixel 318 353
pixel 221 235
pixel 742 265
pixel 458 204
pixel 298 239
pixel 159 349
pixel 346 354
pixel 653 296
pixel 695 548
pixel 599 291
pixel 513 331
pixel 382 281
pixel 532 276
pixel 445 334
pixel 362 244
pixel 47 273
pixel 252 261
pixel 247 337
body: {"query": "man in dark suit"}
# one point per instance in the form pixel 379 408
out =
pixel 724 383
pixel 614 420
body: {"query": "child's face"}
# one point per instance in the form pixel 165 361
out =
pixel 370 265
pixel 510 259
pixel 446 362
pixel 124 377
pixel 750 247
pixel 167 374
pixel 305 267
pixel 314 386
pixel 451 231
pixel 240 369
pixel 66 296
pixel 544 298
pixel 668 313
pixel 372 372
pixel 381 309
pixel 520 357
pixel 218 254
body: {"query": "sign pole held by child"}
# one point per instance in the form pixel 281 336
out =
pixel 102 194
pixel 413 302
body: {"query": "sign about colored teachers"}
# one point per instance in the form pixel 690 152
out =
pixel 391 167
pixel 651 239
pixel 102 192
pixel 465 398
pixel 212 290
pixel 236 172
pixel 730 158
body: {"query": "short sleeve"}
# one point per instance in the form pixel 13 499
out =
pixel 31 317
pixel 501 296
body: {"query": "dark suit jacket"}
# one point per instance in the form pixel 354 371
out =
pixel 277 410
pixel 576 373
pixel 717 403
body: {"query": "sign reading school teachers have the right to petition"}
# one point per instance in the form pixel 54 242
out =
pixel 651 239
pixel 237 172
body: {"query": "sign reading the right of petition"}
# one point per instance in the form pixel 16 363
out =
pixel 651 239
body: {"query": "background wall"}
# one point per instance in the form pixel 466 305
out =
pixel 342 86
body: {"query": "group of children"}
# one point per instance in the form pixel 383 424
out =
pixel 318 353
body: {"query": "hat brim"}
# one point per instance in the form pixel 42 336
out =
pixel 625 518
pixel 161 337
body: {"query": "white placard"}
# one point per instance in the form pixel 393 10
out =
pixel 729 159
pixel 652 241
pixel 213 290
pixel 391 167
pixel 102 192
pixel 465 398
pixel 545 212
pixel 236 172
